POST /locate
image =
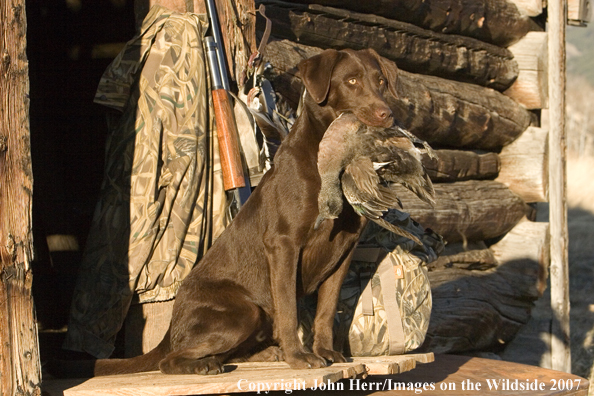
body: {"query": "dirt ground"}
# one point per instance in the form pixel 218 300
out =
pixel 580 199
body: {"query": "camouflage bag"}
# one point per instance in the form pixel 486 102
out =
pixel 385 300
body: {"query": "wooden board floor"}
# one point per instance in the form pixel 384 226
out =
pixel 446 375
pixel 451 375
pixel 241 377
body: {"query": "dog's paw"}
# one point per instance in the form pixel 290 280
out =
pixel 270 354
pixel 304 360
pixel 330 355
pixel 205 366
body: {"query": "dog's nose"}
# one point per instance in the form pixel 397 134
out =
pixel 383 113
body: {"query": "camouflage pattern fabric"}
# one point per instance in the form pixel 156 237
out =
pixel 369 335
pixel 357 333
pixel 162 201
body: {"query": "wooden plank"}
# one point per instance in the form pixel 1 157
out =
pixel 524 165
pixel 242 377
pixel 20 370
pixel 453 375
pixel 527 244
pixel 493 21
pixel 467 211
pixel 238 378
pixel 450 374
pixel 560 343
pixel 412 48
pixel 442 112
pixel 386 365
pixel 531 87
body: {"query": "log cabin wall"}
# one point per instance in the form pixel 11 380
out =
pixel 483 287
pixel 473 78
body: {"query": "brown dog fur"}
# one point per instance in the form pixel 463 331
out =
pixel 242 296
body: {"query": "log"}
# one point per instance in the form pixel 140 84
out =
pixel 527 247
pixel 476 310
pixel 531 87
pixel 529 8
pixel 482 309
pixel 578 12
pixel 20 369
pixel 524 165
pixel 458 165
pixel 494 21
pixel 445 113
pixel 467 211
pixel 470 256
pixel 412 48
pixel 453 114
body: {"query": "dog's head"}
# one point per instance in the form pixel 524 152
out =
pixel 355 81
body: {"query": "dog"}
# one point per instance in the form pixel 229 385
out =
pixel 240 301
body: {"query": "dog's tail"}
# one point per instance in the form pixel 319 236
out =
pixel 90 368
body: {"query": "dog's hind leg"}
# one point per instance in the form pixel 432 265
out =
pixel 217 325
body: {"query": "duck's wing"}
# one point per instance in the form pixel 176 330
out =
pixel 364 191
pixel 420 184
pixel 405 167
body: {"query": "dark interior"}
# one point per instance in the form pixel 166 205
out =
pixel 66 42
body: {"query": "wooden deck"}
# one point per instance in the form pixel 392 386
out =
pixel 238 378
pixel 447 375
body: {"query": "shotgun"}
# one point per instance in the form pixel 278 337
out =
pixel 234 179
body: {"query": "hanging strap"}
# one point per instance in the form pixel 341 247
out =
pixel 395 328
pixel 366 293
pixel 368 255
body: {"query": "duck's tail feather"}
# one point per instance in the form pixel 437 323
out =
pixel 397 230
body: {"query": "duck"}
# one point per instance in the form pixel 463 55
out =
pixel 361 164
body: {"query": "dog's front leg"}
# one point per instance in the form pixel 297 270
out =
pixel 328 295
pixel 283 259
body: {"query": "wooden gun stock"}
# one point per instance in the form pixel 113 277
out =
pixel 228 141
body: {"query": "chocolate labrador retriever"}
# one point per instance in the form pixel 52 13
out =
pixel 242 296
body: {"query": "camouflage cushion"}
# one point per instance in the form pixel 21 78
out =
pixel 385 301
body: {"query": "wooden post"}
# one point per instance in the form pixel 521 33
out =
pixel 20 370
pixel 560 344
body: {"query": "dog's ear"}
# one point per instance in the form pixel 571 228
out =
pixel 316 72
pixel 389 70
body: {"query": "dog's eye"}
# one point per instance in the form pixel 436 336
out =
pixel 382 81
pixel 352 81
